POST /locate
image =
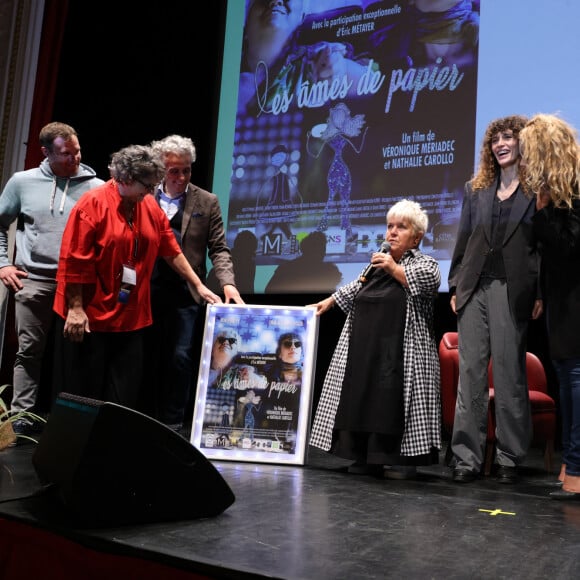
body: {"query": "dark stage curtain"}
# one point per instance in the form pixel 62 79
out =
pixel 55 12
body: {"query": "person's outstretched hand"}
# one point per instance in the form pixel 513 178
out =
pixel 232 295
pixel 323 305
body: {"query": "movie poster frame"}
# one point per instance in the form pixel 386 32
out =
pixel 259 327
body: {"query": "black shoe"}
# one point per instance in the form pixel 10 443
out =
pixel 365 469
pixel 563 495
pixel 464 475
pixel 400 472
pixel 506 474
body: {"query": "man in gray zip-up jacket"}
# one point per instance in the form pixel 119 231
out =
pixel 41 200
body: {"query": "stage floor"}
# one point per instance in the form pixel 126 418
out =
pixel 317 521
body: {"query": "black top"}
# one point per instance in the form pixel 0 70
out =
pixel 494 266
pixel 558 230
pixel 372 393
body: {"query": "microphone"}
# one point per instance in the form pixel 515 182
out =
pixel 370 269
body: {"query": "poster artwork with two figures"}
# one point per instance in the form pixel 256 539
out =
pixel 254 394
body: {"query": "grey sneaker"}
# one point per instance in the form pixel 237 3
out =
pixel 23 427
pixel 26 430
pixel 20 427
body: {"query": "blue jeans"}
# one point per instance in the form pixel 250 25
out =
pixel 171 358
pixel 568 371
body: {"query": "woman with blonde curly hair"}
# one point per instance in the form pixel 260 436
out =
pixel 551 160
pixel 494 287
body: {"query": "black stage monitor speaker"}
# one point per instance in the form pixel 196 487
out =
pixel 110 465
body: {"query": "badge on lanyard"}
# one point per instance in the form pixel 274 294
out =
pixel 128 281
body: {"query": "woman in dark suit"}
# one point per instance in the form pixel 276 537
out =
pixel 494 287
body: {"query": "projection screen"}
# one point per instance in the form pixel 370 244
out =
pixel 333 110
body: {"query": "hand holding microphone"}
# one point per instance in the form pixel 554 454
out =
pixel 370 269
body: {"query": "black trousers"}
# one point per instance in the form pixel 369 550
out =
pixel 106 366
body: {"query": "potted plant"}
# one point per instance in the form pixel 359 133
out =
pixel 7 418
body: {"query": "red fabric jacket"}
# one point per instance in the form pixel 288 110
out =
pixel 97 242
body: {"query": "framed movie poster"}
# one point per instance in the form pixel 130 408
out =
pixel 255 383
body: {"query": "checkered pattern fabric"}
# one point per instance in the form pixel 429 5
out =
pixel 421 361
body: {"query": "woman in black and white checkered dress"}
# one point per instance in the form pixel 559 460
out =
pixel 380 402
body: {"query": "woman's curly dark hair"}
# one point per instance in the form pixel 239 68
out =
pixel 489 169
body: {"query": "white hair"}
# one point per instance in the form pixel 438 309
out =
pixel 411 211
pixel 176 145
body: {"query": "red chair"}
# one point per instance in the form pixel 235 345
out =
pixel 542 405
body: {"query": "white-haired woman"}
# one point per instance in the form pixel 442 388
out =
pixel 380 402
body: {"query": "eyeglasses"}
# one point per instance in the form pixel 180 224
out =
pixel 291 343
pixel 175 171
pixel 224 339
pixel 150 187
